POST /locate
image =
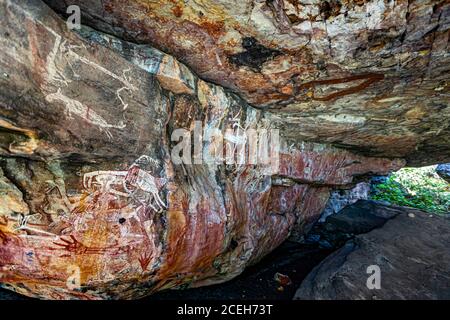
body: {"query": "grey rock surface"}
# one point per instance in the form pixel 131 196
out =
pixel 339 199
pixel 412 253
pixel 443 170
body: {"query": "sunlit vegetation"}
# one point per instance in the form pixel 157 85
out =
pixel 419 188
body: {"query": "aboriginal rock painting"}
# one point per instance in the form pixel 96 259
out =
pixel 108 229
pixel 133 181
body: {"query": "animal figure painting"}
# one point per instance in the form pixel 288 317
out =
pixel 107 229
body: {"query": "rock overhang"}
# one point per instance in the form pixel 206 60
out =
pixel 81 111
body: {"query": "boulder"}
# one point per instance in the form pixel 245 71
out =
pixel 443 170
pixel 408 250
pixel 121 171
pixel 361 217
pixel 339 199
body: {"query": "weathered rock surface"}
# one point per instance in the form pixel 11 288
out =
pixel 443 170
pixel 367 75
pixel 255 283
pixel 92 204
pixel 339 199
pixel 361 217
pixel 409 246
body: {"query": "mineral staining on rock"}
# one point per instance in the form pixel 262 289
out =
pixel 383 63
pixel 92 204
pixel 254 55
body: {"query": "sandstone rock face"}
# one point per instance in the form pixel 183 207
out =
pixel 369 75
pixel 361 217
pixel 404 245
pixel 93 205
pixel 443 170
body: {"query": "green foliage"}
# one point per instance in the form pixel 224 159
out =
pixel 419 188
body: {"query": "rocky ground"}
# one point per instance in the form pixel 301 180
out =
pixel 408 247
